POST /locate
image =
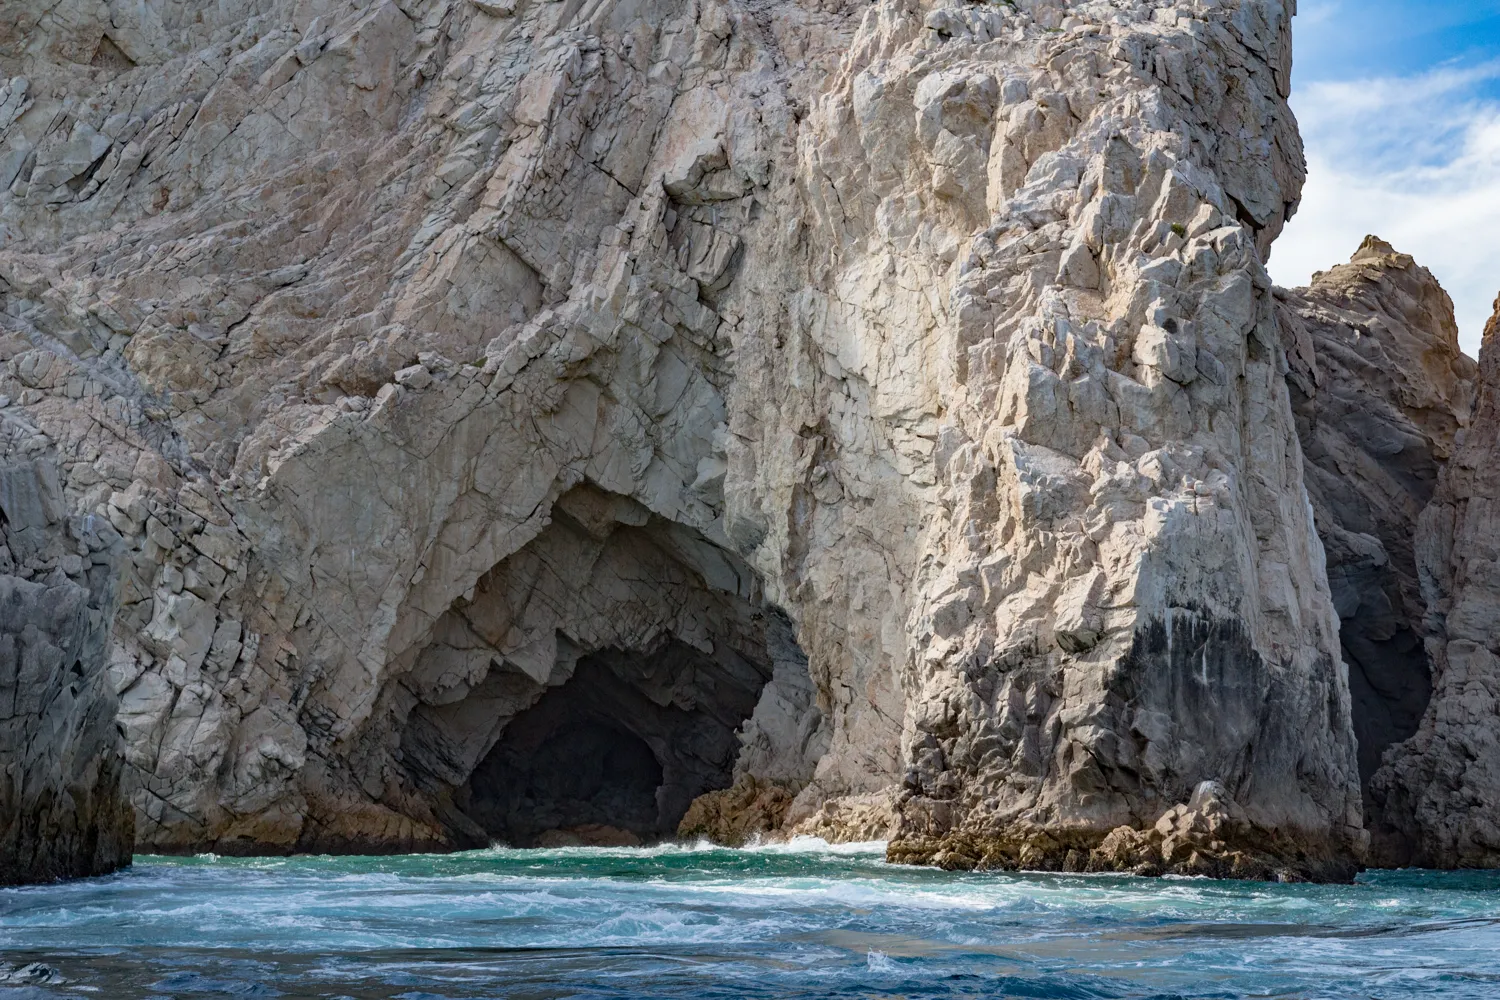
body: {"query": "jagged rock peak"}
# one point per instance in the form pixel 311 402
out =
pixel 1381 391
pixel 1386 295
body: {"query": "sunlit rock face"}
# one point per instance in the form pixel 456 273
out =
pixel 1381 390
pixel 63 811
pixel 896 388
pixel 1438 794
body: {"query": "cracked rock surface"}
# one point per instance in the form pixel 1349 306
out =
pixel 1437 795
pixel 63 812
pixel 1381 391
pixel 905 375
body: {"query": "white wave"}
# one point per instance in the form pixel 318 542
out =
pixel 797 845
pixel 859 893
pixel 817 845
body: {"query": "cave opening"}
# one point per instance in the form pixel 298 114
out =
pixel 1390 678
pixel 1373 582
pixel 1390 685
pixel 600 760
pixel 587 774
pixel 595 682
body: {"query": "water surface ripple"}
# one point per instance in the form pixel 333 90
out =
pixel 788 922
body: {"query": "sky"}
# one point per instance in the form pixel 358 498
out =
pixel 1399 102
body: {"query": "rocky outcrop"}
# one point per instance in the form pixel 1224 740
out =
pixel 1381 390
pixel 735 816
pixel 1208 836
pixel 1127 596
pixel 63 812
pixel 1435 797
pixel 414 396
pixel 890 395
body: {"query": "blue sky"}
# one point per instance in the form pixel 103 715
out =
pixel 1399 102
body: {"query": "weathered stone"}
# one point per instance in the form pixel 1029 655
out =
pixel 737 815
pixel 1437 795
pixel 63 812
pixel 479 350
pixel 1380 390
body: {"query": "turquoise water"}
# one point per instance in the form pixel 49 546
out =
pixel 798 921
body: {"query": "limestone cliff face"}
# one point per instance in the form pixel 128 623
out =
pixel 879 403
pixel 1435 796
pixel 63 812
pixel 1380 389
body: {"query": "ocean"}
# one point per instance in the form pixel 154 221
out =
pixel 802 920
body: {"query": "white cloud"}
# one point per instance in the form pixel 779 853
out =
pixel 1414 160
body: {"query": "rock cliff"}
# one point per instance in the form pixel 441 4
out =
pixel 1381 390
pixel 880 404
pixel 1437 796
pixel 63 812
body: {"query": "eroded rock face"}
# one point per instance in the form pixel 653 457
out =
pixel 1127 596
pixel 424 350
pixel 1380 389
pixel 1435 798
pixel 63 812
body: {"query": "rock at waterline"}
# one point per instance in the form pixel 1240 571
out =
pixel 63 812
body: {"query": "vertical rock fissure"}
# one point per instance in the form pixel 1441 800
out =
pixel 1390 692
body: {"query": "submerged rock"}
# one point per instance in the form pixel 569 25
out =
pixel 63 812
pixel 588 835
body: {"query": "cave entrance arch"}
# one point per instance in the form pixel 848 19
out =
pixel 596 682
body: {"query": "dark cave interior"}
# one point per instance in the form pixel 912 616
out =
pixel 1370 470
pixel 1390 685
pixel 624 744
